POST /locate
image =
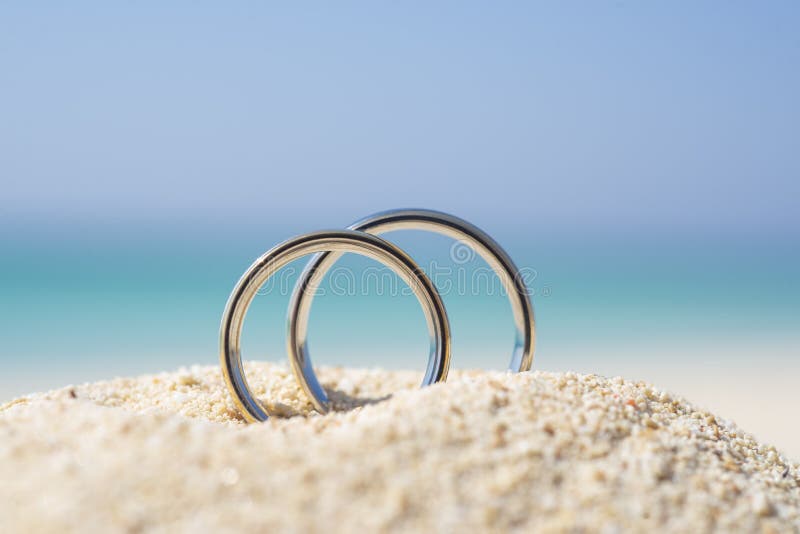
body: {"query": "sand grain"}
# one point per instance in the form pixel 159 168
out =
pixel 483 452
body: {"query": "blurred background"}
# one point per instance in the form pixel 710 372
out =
pixel 641 161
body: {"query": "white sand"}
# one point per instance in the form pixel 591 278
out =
pixel 484 452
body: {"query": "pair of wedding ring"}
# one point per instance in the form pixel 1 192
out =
pixel 362 238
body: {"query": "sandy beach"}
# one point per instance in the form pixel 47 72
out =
pixel 483 452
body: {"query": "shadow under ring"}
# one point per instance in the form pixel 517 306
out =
pixel 409 219
pixel 338 242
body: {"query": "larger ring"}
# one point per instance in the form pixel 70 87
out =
pixel 409 219
pixel 339 242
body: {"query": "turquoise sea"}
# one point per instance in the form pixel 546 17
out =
pixel 90 304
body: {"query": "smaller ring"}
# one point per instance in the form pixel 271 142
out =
pixel 411 219
pixel 337 241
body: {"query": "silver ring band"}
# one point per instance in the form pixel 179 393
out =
pixel 410 219
pixel 338 242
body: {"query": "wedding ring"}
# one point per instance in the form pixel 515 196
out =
pixel 408 219
pixel 337 242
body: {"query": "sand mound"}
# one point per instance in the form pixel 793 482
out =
pixel 484 452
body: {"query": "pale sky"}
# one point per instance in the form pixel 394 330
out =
pixel 603 114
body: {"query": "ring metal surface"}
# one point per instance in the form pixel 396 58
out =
pixel 338 242
pixel 410 219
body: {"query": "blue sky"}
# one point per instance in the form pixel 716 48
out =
pixel 562 116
